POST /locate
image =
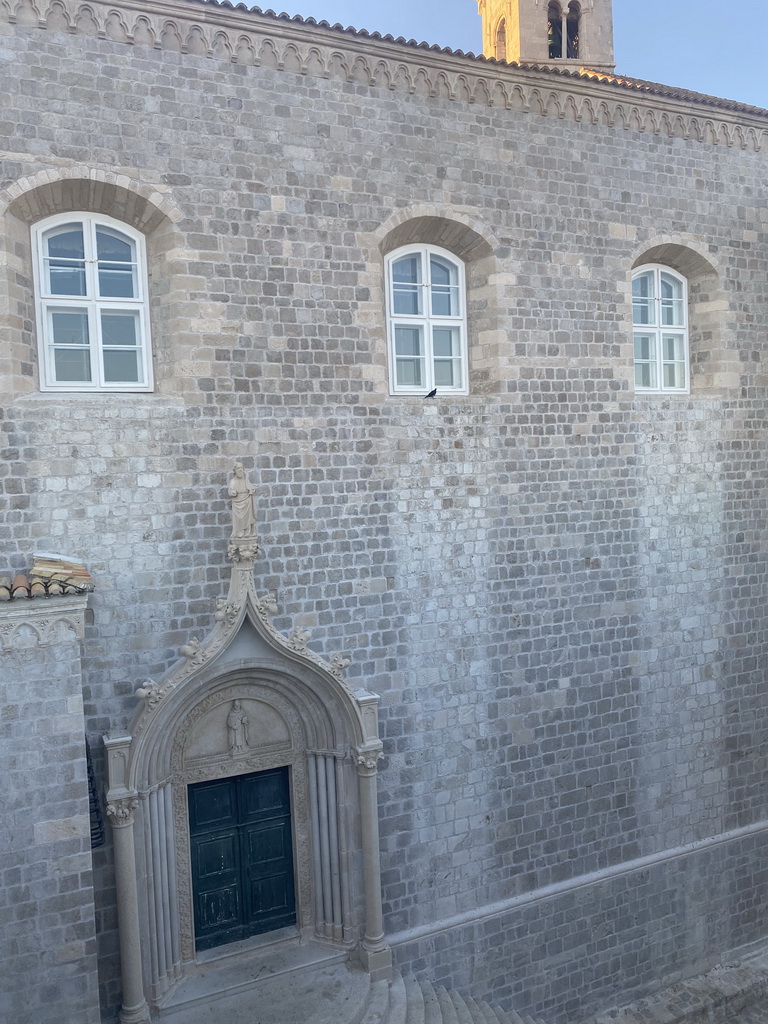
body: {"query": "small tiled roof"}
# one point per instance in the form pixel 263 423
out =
pixel 46 581
pixel 618 81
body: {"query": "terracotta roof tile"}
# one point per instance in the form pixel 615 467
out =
pixel 69 578
pixel 617 81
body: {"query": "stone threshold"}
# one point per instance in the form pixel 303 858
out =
pixel 244 966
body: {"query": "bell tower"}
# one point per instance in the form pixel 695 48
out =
pixel 559 33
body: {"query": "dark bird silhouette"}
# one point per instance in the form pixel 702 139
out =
pixel 432 393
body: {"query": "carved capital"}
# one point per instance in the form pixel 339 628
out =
pixel 367 760
pixel 122 811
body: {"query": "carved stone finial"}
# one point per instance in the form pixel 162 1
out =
pixel 243 545
pixel 339 664
pixel 299 639
pixel 151 693
pixel 225 612
pixel 193 651
pixel 266 606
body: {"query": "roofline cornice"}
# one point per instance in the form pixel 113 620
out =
pixel 239 35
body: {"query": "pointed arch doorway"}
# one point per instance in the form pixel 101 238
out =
pixel 248 704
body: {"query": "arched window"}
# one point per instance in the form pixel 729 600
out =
pixel 427 321
pixel 555 31
pixel 91 289
pixel 572 29
pixel 501 40
pixel 660 329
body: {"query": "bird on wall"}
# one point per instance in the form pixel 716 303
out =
pixel 432 393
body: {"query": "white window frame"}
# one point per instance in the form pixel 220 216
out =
pixel 427 321
pixel 657 330
pixel 91 304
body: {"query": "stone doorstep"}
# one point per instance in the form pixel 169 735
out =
pixel 720 996
pixel 286 968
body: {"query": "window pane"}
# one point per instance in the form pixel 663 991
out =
pixel 643 346
pixel 448 373
pixel 406 278
pixel 673 354
pixel 642 300
pixel 672 305
pixel 121 367
pixel 645 361
pixel 65 259
pixel 445 291
pixel 672 346
pixel 445 341
pixel 408 341
pixel 645 375
pixel 116 264
pixel 69 328
pixel 410 372
pixel 119 329
pixel 72 365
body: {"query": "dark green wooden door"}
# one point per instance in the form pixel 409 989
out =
pixel 242 857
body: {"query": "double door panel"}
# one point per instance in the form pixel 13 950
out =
pixel 242 857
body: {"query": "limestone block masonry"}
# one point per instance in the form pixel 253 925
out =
pixel 48 927
pixel 556 583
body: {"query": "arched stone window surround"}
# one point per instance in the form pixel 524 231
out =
pixel 148 209
pixel 500 40
pixel 329 741
pixel 469 238
pixel 713 359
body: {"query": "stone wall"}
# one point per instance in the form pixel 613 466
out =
pixel 49 943
pixel 556 585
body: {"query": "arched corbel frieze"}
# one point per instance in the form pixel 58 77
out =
pixel 485 84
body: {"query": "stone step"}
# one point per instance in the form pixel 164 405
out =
pixel 377 1008
pixel 398 1000
pixel 447 1007
pixel 433 1004
pixel 415 1010
pixel 433 1013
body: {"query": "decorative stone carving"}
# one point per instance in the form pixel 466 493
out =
pixel 298 639
pixel 367 761
pixel 339 664
pixel 193 652
pixel 266 606
pixel 309 50
pixel 243 545
pixel 151 693
pixel 225 611
pixel 237 730
pixel 121 812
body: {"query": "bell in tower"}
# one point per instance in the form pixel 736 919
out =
pixel 558 33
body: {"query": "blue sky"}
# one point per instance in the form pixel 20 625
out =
pixel 704 45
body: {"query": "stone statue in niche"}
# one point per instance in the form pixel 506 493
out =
pixel 243 504
pixel 243 545
pixel 237 729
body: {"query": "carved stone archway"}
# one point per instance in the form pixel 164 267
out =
pixel 304 716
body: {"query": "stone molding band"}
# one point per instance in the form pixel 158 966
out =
pixel 573 885
pixel 234 36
